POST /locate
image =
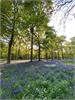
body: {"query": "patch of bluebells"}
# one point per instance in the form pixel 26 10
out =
pixel 27 79
pixel 1 81
pixel 51 62
pixel 17 90
pixel 7 85
pixel 66 77
pixel 12 81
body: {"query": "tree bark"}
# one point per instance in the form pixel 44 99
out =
pixel 52 54
pixel 46 55
pixel 9 48
pixel 32 30
pixel 62 51
pixel 39 51
pixel 39 48
pixel 58 55
pixel 1 49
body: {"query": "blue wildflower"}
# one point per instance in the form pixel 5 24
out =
pixel 17 90
pixel 1 81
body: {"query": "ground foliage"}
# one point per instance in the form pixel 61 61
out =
pixel 37 80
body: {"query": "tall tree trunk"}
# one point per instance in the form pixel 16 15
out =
pixel 1 50
pixel 58 51
pixel 62 51
pixel 9 48
pixel 16 57
pixel 39 47
pixel 19 50
pixel 39 51
pixel 58 55
pixel 27 53
pixel 46 55
pixel 52 54
pixel 32 30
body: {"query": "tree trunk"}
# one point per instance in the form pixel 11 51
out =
pixel 52 54
pixel 32 30
pixel 9 48
pixel 39 51
pixel 62 51
pixel 19 50
pixel 46 55
pixel 39 47
pixel 58 54
pixel 31 48
pixel 1 49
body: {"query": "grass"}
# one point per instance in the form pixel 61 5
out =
pixel 69 63
pixel 37 81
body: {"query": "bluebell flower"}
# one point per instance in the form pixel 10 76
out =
pixel 67 77
pixel 13 80
pixel 53 62
pixel 7 85
pixel 1 81
pixel 17 90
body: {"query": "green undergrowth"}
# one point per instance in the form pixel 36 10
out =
pixel 26 84
pixel 69 63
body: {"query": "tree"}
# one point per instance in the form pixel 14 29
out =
pixel 20 15
pixel 48 42
pixel 66 5
pixel 8 18
pixel 73 46
pixel 13 30
pixel 60 46
pixel 34 11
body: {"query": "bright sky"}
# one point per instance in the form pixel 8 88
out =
pixel 67 29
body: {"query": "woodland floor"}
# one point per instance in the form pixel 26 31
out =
pixel 38 80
